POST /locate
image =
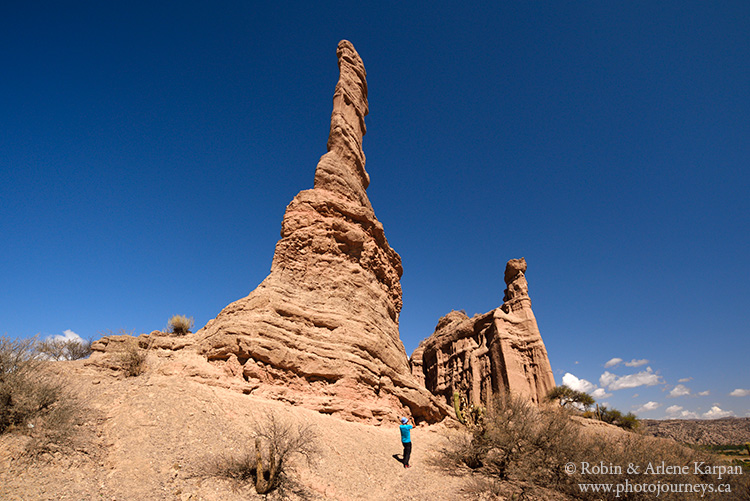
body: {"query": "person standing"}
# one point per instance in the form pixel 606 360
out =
pixel 406 440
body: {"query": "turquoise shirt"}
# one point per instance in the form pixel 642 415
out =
pixel 406 432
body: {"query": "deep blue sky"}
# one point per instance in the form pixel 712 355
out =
pixel 149 149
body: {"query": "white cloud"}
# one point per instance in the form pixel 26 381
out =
pixel 716 413
pixel 636 363
pixel 67 335
pixel 649 406
pixel 684 380
pixel 606 379
pixel 643 378
pixel 689 415
pixel 674 409
pixel 740 393
pixel 600 393
pixel 679 391
pixel 612 362
pixel 574 383
pixel 704 393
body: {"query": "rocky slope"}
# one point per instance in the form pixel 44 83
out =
pixel 726 431
pixel 154 437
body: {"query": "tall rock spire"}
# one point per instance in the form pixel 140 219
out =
pixel 321 330
pixel 342 169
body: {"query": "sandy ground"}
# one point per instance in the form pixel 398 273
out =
pixel 151 437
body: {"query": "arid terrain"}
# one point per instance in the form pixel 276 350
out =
pixel 724 431
pixel 160 434
pixel 155 435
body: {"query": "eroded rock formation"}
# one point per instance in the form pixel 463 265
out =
pixel 322 329
pixel 484 356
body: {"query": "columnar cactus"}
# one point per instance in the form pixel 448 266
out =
pixel 457 407
pixel 263 486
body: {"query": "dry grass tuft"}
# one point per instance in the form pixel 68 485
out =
pixel 180 325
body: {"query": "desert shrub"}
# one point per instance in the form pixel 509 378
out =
pixel 131 358
pixel 21 395
pixel 464 449
pixel 180 325
pixel 269 464
pixel 520 442
pixel 32 401
pixel 55 429
pixel 627 421
pixel 527 441
pixel 480 487
pixel 63 349
pixel 515 438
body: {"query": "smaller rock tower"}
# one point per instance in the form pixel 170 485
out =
pixel 485 356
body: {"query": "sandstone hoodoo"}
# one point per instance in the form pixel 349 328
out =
pixel 482 357
pixel 321 330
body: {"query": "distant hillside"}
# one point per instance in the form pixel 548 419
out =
pixel 700 431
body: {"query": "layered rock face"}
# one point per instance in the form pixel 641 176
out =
pixel 321 330
pixel 485 356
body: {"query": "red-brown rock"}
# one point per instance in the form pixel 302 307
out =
pixel 322 329
pixel 485 356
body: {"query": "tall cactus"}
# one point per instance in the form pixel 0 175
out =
pixel 457 407
pixel 469 415
pixel 263 486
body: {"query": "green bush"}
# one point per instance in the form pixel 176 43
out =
pixel 569 397
pixel 180 325
pixel 628 421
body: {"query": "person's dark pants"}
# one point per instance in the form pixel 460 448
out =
pixel 407 452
